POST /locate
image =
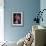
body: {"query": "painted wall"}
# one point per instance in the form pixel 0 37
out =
pixel 43 6
pixel 29 7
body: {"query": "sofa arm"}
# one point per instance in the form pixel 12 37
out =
pixel 21 42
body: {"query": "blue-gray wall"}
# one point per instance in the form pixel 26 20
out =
pixel 43 6
pixel 29 7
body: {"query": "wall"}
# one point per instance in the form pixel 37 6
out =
pixel 29 7
pixel 43 6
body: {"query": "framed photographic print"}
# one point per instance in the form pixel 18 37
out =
pixel 17 18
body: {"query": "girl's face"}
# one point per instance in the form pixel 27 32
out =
pixel 17 17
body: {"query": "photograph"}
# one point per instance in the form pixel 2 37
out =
pixel 17 18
